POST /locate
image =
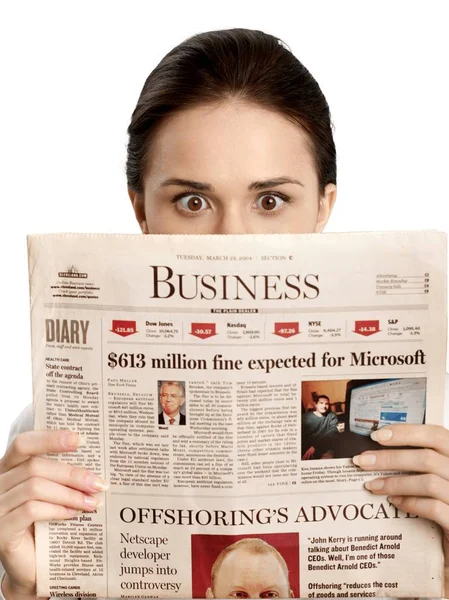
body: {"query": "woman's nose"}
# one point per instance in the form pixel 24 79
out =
pixel 233 222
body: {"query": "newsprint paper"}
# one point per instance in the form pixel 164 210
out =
pixel 223 384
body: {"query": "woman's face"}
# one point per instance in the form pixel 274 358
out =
pixel 231 168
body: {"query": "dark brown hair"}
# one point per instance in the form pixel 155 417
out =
pixel 245 64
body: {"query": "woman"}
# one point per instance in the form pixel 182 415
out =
pixel 231 134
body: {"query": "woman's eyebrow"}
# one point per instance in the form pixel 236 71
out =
pixel 198 185
pixel 255 185
pixel 267 183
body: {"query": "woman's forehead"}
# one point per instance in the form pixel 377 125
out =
pixel 229 139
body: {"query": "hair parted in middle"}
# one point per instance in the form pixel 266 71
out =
pixel 217 66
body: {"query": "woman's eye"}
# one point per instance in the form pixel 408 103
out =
pixel 192 203
pixel 270 202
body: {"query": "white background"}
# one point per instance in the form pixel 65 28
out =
pixel 71 73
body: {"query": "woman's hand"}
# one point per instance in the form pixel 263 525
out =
pixel 34 488
pixel 425 494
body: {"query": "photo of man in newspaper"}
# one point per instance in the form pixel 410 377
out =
pixel 339 416
pixel 319 425
pixel 171 396
pixel 247 566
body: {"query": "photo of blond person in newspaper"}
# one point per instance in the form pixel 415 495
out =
pixel 232 153
pixel 250 568
pixel 245 566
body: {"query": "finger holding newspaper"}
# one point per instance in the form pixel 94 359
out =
pixel 426 494
pixel 34 488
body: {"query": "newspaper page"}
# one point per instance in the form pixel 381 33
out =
pixel 223 385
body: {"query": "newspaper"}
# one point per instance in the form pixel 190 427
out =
pixel 223 385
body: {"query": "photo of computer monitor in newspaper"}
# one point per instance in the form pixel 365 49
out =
pixel 386 402
pixel 339 415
